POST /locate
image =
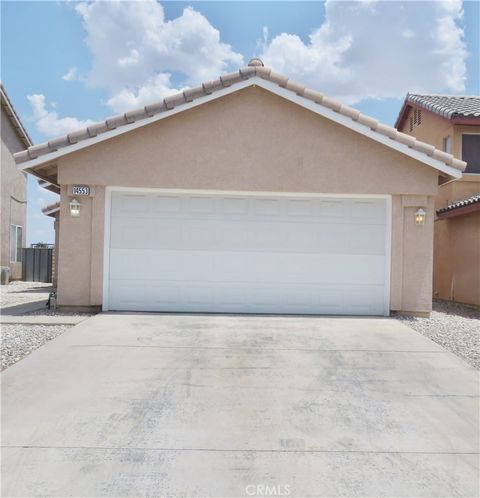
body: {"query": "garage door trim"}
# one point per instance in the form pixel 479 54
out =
pixel 107 225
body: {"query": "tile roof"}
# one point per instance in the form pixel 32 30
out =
pixel 448 106
pixel 474 199
pixel 255 69
pixel 12 114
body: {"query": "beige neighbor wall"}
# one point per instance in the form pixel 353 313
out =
pixel 456 267
pixel 251 140
pixel 13 194
pixel 457 259
pixel 432 129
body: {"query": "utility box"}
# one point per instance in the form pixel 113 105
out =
pixel 4 275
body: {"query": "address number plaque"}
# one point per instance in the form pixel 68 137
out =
pixel 80 190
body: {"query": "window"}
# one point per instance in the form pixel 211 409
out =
pixel 16 233
pixel 411 123
pixel 447 144
pixel 471 152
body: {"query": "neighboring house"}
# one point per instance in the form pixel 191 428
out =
pixel 452 123
pixel 250 193
pixel 13 189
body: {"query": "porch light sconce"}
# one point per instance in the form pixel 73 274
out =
pixel 420 217
pixel 74 208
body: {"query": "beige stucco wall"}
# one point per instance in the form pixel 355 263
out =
pixel 457 190
pixel 433 129
pixel 456 274
pixel 457 259
pixel 13 194
pixel 456 269
pixel 251 141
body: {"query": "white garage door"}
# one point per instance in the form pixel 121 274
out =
pixel 247 253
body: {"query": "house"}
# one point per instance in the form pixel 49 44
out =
pixel 13 189
pixel 249 193
pixel 452 123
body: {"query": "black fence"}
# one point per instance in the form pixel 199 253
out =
pixel 37 264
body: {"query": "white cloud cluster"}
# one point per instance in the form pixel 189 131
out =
pixel 363 49
pixel 377 49
pixel 135 50
pixel 48 122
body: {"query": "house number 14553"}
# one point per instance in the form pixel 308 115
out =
pixel 80 190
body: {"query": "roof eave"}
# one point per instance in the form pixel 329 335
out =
pixel 51 210
pixel 459 211
pixel 12 113
pixel 402 115
pixel 465 121
pixel 273 87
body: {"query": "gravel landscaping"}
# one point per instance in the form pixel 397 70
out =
pixel 19 341
pixel 454 326
pixel 17 292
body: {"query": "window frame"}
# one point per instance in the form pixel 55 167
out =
pixel 461 148
pixel 16 229
pixel 447 139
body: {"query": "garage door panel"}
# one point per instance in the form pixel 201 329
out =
pixel 257 254
pixel 244 236
pixel 130 203
pixel 256 298
pixel 368 211
pixel 250 268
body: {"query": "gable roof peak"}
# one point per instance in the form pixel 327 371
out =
pixel 255 75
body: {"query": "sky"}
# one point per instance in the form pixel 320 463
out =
pixel 67 64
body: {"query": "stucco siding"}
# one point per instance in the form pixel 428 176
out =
pixel 432 129
pixel 456 268
pixel 13 194
pixel 457 259
pixel 248 141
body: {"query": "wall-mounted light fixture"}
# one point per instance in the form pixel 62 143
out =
pixel 420 217
pixel 74 208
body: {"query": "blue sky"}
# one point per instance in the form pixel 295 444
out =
pixel 66 64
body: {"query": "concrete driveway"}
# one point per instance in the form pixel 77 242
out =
pixel 168 405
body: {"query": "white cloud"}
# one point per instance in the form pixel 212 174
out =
pixel 48 122
pixel 377 49
pixel 71 74
pixel 262 43
pixel 153 89
pixel 136 51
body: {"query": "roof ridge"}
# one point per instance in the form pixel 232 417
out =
pixel 446 95
pixel 227 80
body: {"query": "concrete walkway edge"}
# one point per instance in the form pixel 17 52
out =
pixel 42 320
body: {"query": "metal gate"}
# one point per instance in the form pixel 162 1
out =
pixel 37 264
